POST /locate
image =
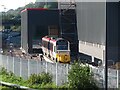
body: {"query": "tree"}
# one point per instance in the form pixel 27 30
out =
pixel 51 5
pixel 80 77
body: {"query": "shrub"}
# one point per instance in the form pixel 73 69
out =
pixel 40 78
pixel 64 86
pixel 10 77
pixel 48 85
pixel 80 77
pixel 33 79
pixel 46 78
pixel 43 80
pixel 3 71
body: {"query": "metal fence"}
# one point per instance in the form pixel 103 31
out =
pixel 24 68
pixel 113 77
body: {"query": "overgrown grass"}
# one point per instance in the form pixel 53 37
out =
pixel 11 78
pixel 5 88
pixel 43 80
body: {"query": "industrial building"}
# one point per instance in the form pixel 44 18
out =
pixel 38 22
pixel 34 25
pixel 98 25
pixel 94 25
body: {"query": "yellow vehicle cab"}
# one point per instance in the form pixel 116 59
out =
pixel 57 49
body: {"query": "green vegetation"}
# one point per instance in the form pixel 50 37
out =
pixel 40 80
pixel 79 76
pixel 43 80
pixel 5 88
pixel 15 15
pixel 11 78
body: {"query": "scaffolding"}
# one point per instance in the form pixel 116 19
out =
pixel 68 25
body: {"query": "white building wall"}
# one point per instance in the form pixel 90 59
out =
pixel 91 49
pixel 91 25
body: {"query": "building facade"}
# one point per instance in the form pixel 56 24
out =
pixel 34 25
pixel 36 22
pixel 98 25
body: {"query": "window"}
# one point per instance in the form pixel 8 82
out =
pixel 51 46
pixel 54 48
pixel 62 47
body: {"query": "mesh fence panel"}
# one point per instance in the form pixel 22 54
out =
pixel 17 66
pixel 49 68
pixel 4 61
pixel 53 71
pixel 24 68
pixel 112 78
pixel 41 66
pixel 10 63
pixel 32 67
pixel 99 76
pixel 1 62
pixel 62 73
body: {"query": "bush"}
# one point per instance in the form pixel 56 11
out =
pixel 64 86
pixel 46 78
pixel 35 79
pixel 43 80
pixel 48 85
pixel 80 77
pixel 3 71
pixel 10 77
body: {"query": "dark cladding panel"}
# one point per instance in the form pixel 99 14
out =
pixel 112 24
pixel 44 17
pixel 91 22
pixel 113 31
pixel 24 28
pixel 39 22
pixel 119 33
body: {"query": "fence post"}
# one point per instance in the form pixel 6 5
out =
pixel 46 66
pixel 13 65
pixel 20 67
pixel 28 68
pixel 56 74
pixel 41 66
pixel 118 78
pixel 7 62
pixel 103 78
pixel 1 59
pixel 67 72
pixel 37 66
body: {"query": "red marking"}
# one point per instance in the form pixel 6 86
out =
pixel 34 9
pixel 53 40
pixel 46 38
pixel 23 10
